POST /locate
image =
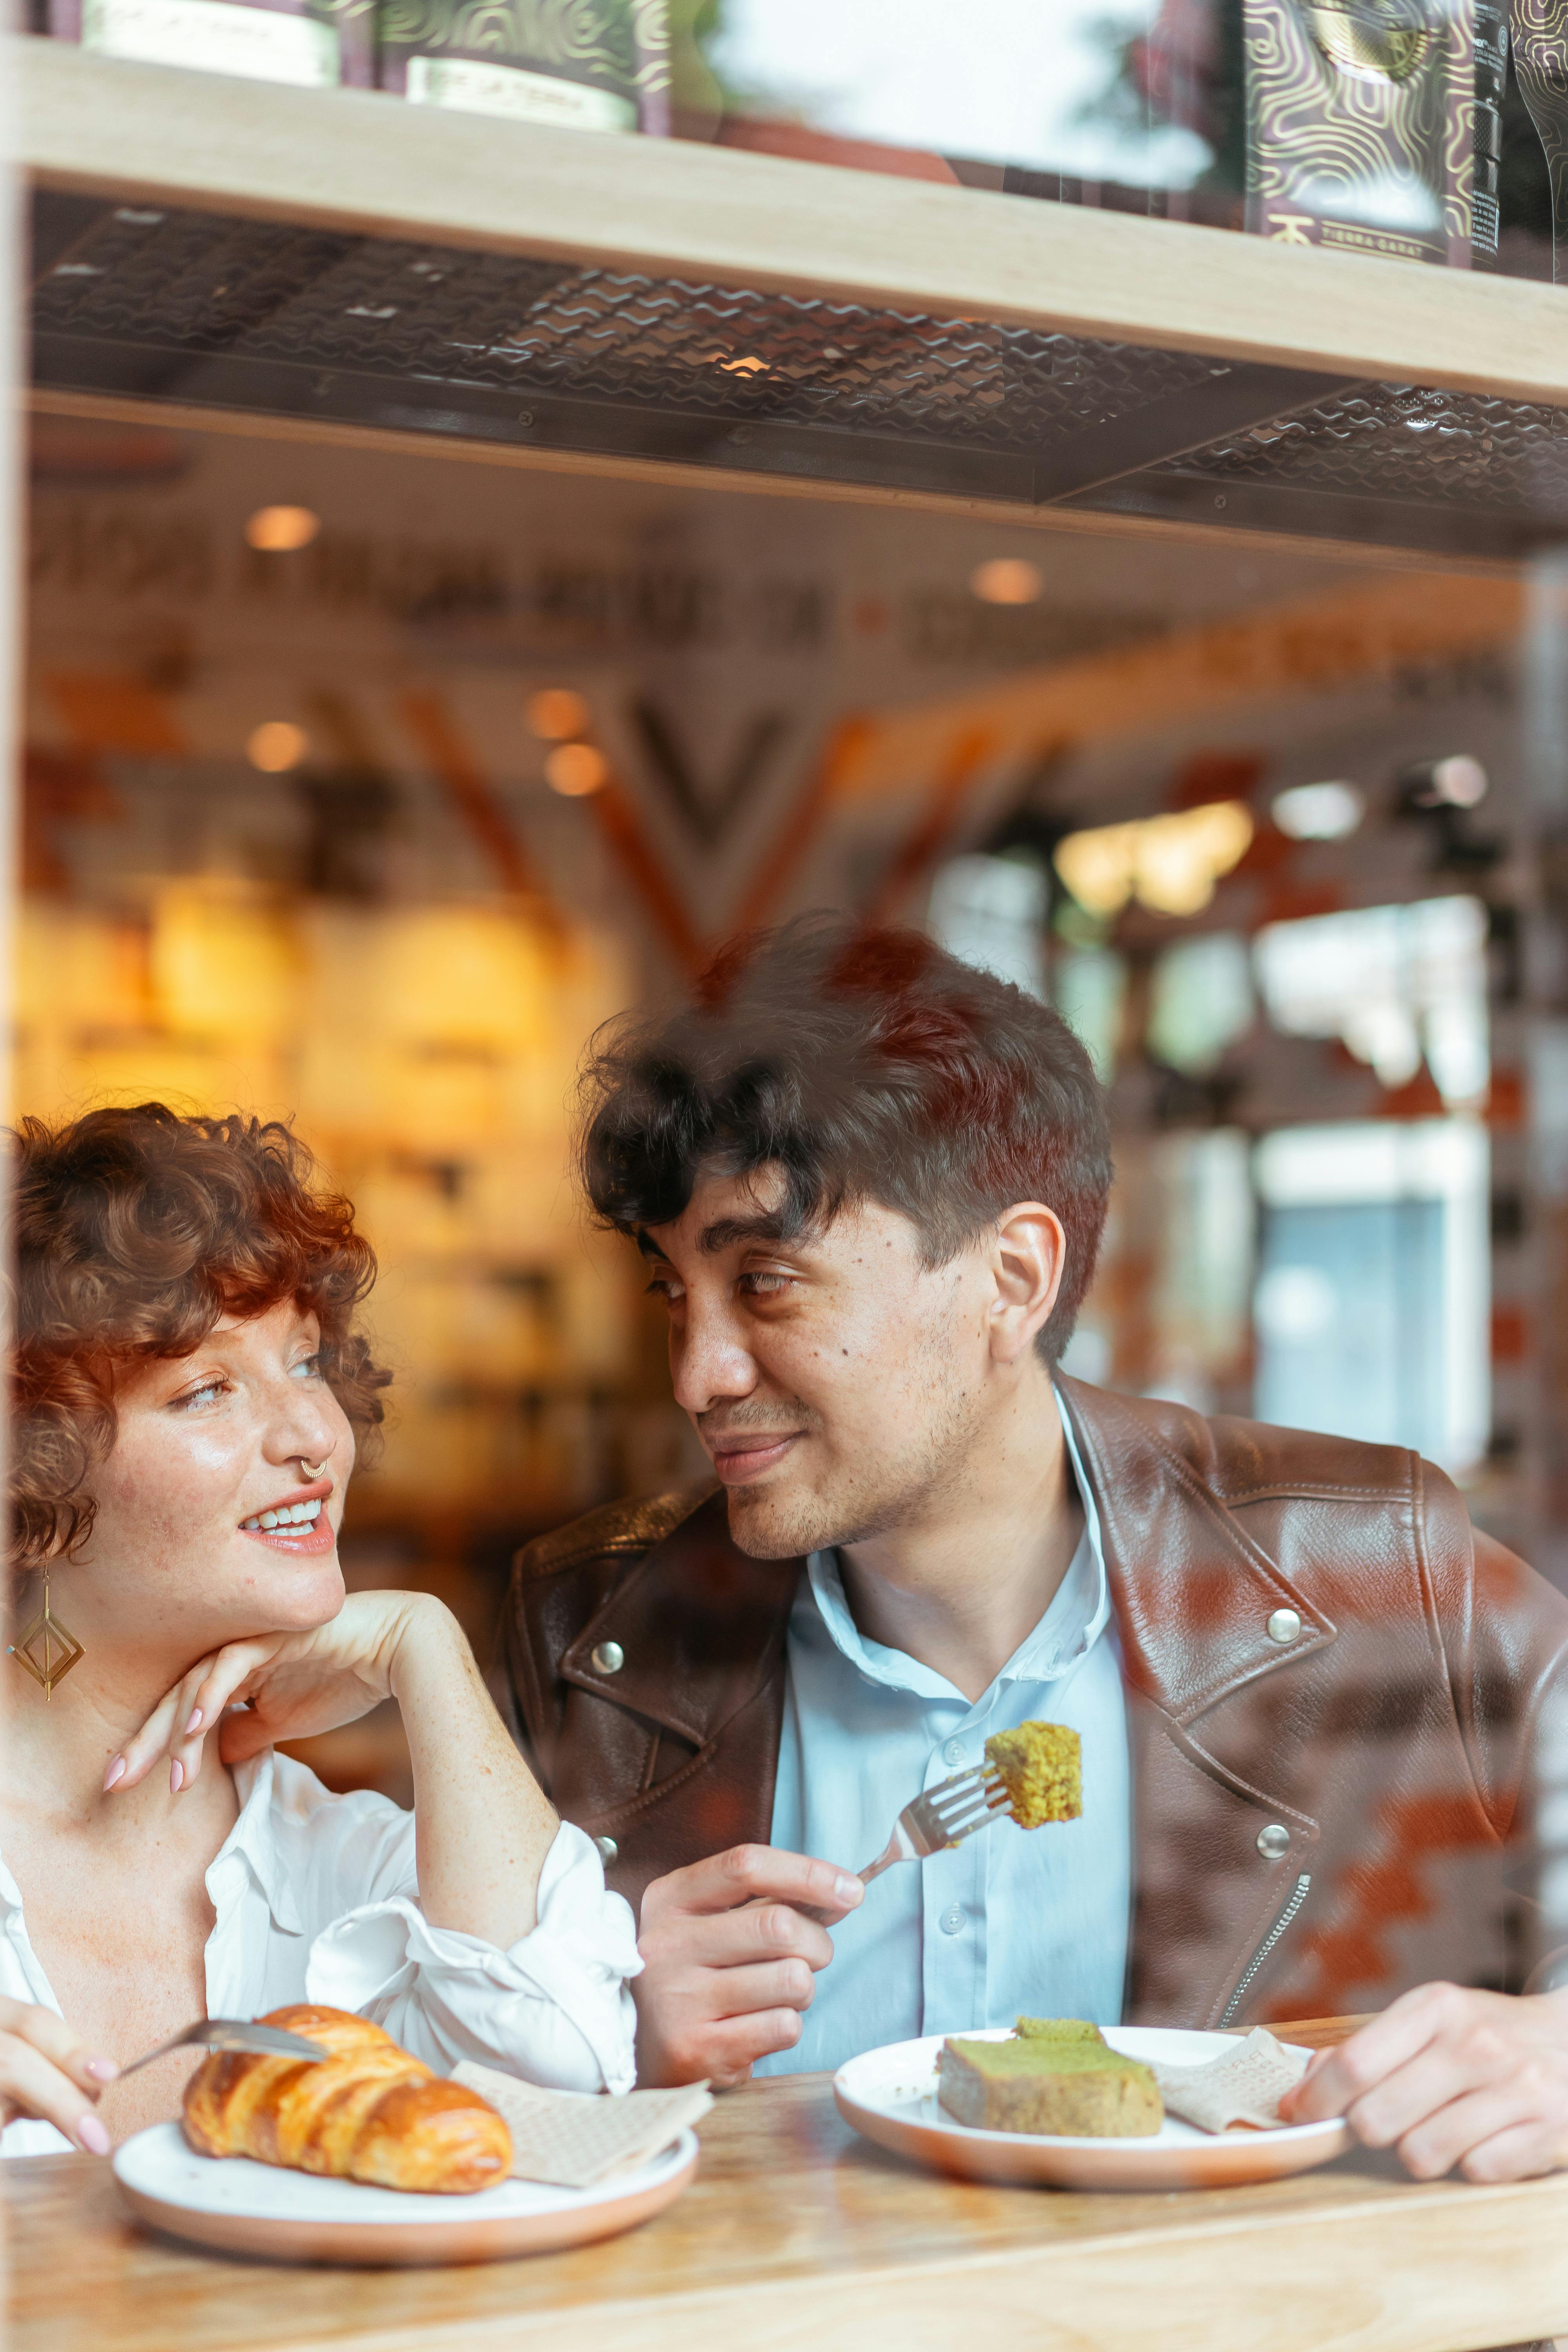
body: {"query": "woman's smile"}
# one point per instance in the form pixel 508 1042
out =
pixel 295 1522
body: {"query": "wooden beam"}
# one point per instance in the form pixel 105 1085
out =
pixel 358 161
pixel 1312 646
pixel 115 409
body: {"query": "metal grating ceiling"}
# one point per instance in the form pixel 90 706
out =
pixel 1402 442
pixel 263 315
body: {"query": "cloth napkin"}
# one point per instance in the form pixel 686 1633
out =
pixel 1245 2086
pixel 572 2138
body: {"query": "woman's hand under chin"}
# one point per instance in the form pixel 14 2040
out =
pixel 291 1685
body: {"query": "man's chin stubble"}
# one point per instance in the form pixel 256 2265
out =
pixel 767 1528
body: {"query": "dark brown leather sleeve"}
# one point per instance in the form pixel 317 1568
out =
pixel 1507 1632
pixel 645 1659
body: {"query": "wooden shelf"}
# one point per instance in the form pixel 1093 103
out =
pixel 335 262
pixel 361 162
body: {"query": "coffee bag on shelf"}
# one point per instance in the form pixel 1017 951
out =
pixel 315 44
pixel 1362 126
pixel 580 65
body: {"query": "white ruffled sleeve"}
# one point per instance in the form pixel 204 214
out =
pixel 554 2008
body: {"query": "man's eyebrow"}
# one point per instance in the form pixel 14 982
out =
pixel 767 1225
pixel 649 1247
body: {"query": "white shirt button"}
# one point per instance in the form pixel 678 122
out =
pixel 954 1752
pixel 951 1920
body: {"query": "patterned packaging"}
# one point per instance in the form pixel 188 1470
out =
pixel 585 65
pixel 315 44
pixel 1540 63
pixel 1361 125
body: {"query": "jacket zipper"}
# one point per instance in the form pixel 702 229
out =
pixel 1302 1885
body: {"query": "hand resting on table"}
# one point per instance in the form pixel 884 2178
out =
pixel 1451 2078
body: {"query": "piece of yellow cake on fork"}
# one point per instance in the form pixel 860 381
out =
pixel 1041 1768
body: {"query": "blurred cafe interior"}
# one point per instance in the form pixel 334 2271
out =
pixel 432 649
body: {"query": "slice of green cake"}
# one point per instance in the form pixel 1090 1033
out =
pixel 1041 1768
pixel 1061 2078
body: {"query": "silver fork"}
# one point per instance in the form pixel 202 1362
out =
pixel 232 2033
pixel 944 1816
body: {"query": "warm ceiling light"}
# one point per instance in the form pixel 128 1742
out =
pixel 275 746
pixel 279 530
pixel 1170 864
pixel 574 770
pixel 1007 580
pixel 555 712
pixel 1329 812
pixel 1459 782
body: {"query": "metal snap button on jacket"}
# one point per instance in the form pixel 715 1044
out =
pixel 607 1847
pixel 1273 1840
pixel 607 1657
pixel 1284 1626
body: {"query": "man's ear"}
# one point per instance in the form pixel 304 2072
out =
pixel 1029 1258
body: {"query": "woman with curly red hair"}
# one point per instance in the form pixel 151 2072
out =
pixel 189 1394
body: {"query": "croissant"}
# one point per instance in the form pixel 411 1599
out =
pixel 367 2112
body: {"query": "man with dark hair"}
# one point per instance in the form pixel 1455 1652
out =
pixel 1315 1707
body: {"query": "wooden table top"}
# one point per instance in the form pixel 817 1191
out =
pixel 798 2236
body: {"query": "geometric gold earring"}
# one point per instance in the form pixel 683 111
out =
pixel 45 1650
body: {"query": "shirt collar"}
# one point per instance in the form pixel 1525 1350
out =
pixel 1078 1615
pixel 253 1840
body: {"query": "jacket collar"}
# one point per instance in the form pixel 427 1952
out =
pixel 1193 1593
pixel 700 1625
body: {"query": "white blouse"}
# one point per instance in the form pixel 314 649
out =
pixel 317 1899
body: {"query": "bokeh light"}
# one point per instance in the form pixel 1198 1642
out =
pixel 1007 580
pixel 1326 812
pixel 280 531
pixel 275 746
pixel 574 770
pixel 554 713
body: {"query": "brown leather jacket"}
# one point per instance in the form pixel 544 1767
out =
pixel 1318 1820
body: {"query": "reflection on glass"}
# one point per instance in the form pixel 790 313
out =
pixel 1394 984
pixel 1201 1002
pixel 1089 988
pixel 990 912
pixel 1008 82
pixel 1374 1289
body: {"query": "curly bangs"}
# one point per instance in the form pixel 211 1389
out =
pixel 134 1231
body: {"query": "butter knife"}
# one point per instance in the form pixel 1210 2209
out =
pixel 233 2033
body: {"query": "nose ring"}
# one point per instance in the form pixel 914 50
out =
pixel 310 1469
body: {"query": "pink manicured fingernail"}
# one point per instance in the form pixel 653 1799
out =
pixel 176 1777
pixel 196 1722
pixel 92 2136
pixel 102 2070
pixel 116 1772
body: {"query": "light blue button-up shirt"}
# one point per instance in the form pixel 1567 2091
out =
pixel 1013 1920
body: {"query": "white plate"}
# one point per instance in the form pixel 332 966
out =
pixel 263 2209
pixel 891 2096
